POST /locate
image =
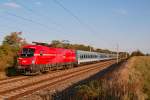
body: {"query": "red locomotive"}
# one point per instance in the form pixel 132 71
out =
pixel 38 58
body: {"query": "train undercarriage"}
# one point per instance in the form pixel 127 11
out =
pixel 38 69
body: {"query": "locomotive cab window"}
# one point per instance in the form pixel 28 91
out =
pixel 27 52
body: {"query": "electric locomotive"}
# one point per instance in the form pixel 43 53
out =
pixel 35 59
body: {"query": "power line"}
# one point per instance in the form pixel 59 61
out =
pixel 39 15
pixel 74 16
pixel 14 27
pixel 26 19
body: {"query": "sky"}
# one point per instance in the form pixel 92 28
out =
pixel 99 23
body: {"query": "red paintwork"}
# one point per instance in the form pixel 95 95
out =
pixel 50 56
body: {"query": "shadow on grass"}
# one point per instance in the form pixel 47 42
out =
pixel 69 92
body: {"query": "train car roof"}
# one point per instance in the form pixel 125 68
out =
pixel 88 52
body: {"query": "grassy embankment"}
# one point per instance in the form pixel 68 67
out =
pixel 142 71
pixel 129 82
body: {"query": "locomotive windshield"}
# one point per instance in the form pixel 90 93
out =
pixel 27 52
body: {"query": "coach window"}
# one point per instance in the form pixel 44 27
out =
pixel 81 56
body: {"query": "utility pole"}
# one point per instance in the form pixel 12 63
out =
pixel 126 55
pixel 117 53
pixel 90 49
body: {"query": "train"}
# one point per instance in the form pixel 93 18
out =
pixel 34 59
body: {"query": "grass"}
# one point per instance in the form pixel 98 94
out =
pixel 104 90
pixel 142 66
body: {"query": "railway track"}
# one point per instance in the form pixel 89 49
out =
pixel 8 80
pixel 19 78
pixel 22 86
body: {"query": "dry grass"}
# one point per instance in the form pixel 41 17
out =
pixel 3 75
pixel 141 71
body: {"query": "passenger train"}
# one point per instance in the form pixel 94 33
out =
pixel 35 59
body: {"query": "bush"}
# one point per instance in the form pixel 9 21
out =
pixel 137 53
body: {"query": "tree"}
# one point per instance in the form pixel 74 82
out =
pixel 9 48
pixel 147 54
pixel 14 40
pixel 137 53
pixel 56 43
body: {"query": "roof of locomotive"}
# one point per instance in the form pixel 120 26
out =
pixel 41 46
pixel 34 46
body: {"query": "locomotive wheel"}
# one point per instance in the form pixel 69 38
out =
pixel 44 68
pixel 35 70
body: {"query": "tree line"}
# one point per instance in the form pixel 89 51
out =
pixel 14 41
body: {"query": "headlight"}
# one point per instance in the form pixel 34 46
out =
pixel 33 61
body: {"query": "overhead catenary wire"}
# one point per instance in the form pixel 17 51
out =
pixel 74 16
pixel 8 26
pixel 39 15
pixel 29 20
